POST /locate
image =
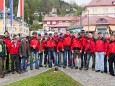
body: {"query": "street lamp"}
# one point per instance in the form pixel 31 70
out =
pixel 88 20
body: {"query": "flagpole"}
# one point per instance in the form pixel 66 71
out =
pixel 4 18
pixel 22 17
pixel 12 17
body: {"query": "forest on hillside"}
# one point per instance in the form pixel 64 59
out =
pixel 44 6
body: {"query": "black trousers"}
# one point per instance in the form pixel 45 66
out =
pixel 89 55
pixel 7 61
pixel 15 62
pixel 105 63
pixel 1 66
pixel 111 63
pixel 46 57
pixel 83 59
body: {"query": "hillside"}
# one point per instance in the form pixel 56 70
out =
pixel 44 6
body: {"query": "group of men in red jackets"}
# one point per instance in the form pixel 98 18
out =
pixel 71 49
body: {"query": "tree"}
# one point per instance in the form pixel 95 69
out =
pixel 26 13
pixel 36 26
pixel 40 18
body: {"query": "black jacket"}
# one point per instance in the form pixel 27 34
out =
pixel 2 49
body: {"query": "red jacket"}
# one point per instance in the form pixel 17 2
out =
pixel 50 43
pixel 67 40
pixel 7 42
pixel 34 42
pixel 111 48
pixel 83 39
pixel 56 39
pixel 14 49
pixel 90 46
pixel 44 44
pixel 100 45
pixel 76 44
pixel 107 44
pixel 60 45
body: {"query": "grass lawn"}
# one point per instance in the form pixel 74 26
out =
pixel 48 78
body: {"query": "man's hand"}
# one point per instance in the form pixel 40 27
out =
pixel 104 53
pixel 72 51
pixel 81 51
pixel 20 55
pixel 34 47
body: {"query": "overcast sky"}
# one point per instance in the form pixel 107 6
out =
pixel 79 2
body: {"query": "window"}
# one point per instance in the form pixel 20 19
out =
pixel 113 2
pixel 102 20
pixel 102 30
pixel 105 10
pixel 48 22
pixel 53 22
pixel 60 22
pixel 67 21
pixel 94 10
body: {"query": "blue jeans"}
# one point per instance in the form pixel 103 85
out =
pixel 23 63
pixel 59 57
pixel 99 61
pixel 89 55
pixel 41 58
pixel 65 57
pixel 50 54
pixel 36 60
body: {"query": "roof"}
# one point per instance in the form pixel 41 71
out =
pixel 65 18
pixel 96 20
pixel 102 3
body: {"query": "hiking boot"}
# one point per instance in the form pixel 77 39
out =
pixel 2 76
pixel 76 67
pixel 80 68
pixel 41 65
pixel 97 71
pixel 64 66
pixel 13 73
pixel 50 66
pixel 31 68
pixel 37 68
pixel 26 70
pixel 19 72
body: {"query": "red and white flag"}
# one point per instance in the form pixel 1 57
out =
pixel 20 8
pixel 1 4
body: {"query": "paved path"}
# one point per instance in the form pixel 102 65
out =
pixel 87 78
pixel 90 78
pixel 10 78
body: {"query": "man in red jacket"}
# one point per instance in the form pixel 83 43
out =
pixel 50 44
pixel 60 48
pixel 100 50
pixel 90 50
pixel 34 48
pixel 76 48
pixel 111 54
pixel 56 37
pixel 67 49
pixel 7 42
pixel 14 52
pixel 83 40
pixel 107 38
pixel 45 49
